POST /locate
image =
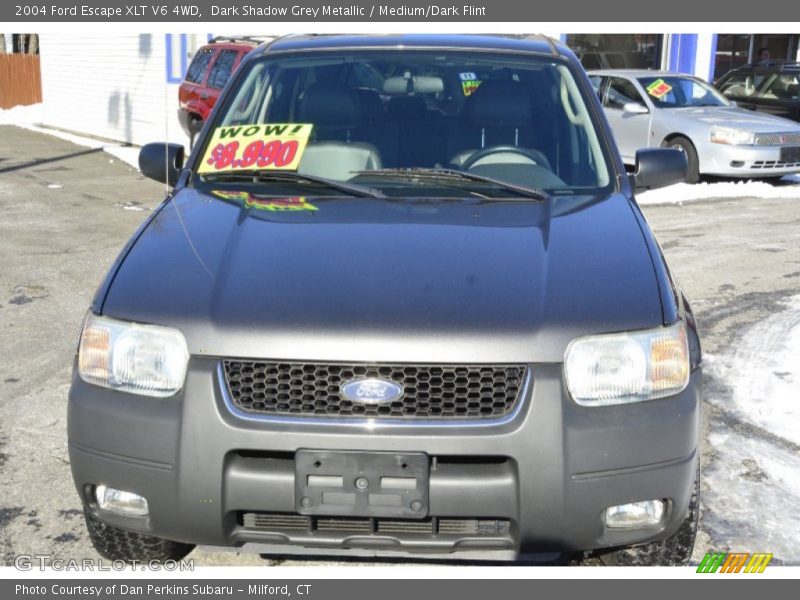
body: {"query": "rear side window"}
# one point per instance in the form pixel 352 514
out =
pixel 198 67
pixel 620 92
pixel 781 87
pixel 222 69
pixel 740 85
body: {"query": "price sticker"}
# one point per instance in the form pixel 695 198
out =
pixel 275 146
pixel 659 88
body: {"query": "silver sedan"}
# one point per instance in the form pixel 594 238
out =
pixel 656 108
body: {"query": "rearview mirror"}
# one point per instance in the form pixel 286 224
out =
pixel 635 108
pixel 162 162
pixel 659 167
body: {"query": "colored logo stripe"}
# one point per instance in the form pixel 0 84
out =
pixel 734 562
pixel 758 563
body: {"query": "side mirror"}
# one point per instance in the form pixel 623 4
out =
pixel 635 108
pixel 162 162
pixel 659 167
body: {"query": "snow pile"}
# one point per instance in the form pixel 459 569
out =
pixel 22 115
pixel 789 187
pixel 767 391
pixel 752 496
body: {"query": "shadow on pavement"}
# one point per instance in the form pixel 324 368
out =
pixel 44 161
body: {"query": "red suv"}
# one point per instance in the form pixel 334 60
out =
pixel 208 73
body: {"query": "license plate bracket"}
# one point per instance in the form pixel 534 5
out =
pixel 362 484
pixel 790 154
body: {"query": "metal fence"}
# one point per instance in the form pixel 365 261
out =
pixel 20 80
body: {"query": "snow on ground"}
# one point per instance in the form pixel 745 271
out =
pixel 30 117
pixel 789 187
pixel 752 496
pixel 19 115
pixel 766 370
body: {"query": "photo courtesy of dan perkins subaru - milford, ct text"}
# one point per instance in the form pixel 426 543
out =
pixel 351 10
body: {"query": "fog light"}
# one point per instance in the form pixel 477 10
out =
pixel 121 502
pixel 636 514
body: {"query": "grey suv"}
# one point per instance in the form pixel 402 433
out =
pixel 399 302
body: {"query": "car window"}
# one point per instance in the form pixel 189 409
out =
pixel 222 69
pixel 781 87
pixel 674 91
pixel 616 60
pixel 518 120
pixel 739 85
pixel 597 84
pixel 591 60
pixel 197 70
pixel 620 92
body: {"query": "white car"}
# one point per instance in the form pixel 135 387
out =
pixel 661 109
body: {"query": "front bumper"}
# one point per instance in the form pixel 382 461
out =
pixel 549 472
pixel 744 161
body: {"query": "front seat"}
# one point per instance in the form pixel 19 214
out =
pixel 499 113
pixel 334 109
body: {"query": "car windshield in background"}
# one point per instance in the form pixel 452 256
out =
pixel 680 92
pixel 404 122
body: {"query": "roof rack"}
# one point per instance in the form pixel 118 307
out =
pixel 250 39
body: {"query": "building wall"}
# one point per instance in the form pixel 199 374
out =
pixel 121 87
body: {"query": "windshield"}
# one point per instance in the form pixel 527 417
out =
pixel 678 92
pixel 412 123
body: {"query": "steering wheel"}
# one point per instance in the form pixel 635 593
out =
pixel 534 156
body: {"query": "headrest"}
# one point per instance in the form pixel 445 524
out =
pixel 330 105
pixel 499 102
pixel 371 105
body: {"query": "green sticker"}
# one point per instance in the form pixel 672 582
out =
pixel 659 88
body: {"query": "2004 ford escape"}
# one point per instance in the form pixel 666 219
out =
pixel 400 301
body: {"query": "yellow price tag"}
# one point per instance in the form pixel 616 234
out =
pixel 277 146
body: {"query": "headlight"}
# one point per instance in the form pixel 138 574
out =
pixel 628 367
pixel 140 359
pixel 735 137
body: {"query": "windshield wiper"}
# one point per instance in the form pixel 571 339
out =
pixel 456 175
pixel 259 176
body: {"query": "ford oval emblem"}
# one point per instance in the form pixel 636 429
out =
pixel 371 391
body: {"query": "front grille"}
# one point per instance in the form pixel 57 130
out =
pixel 432 526
pixel 774 164
pixel 777 139
pixel 430 392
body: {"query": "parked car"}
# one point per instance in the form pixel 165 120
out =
pixel 385 313
pixel 209 71
pixel 772 88
pixel 672 110
pixel 596 59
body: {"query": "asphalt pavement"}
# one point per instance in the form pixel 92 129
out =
pixel 66 211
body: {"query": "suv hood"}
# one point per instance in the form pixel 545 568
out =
pixel 388 280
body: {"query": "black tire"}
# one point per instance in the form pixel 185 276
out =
pixel 676 550
pixel 118 544
pixel 684 145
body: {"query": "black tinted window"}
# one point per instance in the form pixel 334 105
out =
pixel 198 67
pixel 620 92
pixel 222 69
